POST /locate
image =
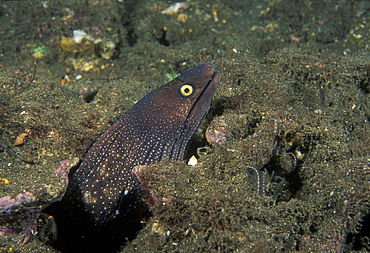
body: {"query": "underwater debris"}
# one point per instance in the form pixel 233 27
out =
pixel 21 139
pixel 88 94
pixel 261 180
pixel 218 132
pixel 107 49
pixel 39 51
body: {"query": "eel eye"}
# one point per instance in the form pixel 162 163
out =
pixel 186 90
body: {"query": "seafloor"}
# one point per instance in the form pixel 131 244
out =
pixel 293 103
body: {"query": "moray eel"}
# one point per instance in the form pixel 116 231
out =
pixel 159 126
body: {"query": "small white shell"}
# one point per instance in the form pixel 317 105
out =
pixel 192 161
pixel 79 35
pixel 176 8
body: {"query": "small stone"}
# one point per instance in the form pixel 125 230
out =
pixel 182 17
pixel 218 132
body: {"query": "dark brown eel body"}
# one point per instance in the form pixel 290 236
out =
pixel 159 126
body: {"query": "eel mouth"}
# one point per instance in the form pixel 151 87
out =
pixel 203 102
pixel 210 89
pixel 215 80
pixel 212 85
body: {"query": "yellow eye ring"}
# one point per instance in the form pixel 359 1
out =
pixel 186 90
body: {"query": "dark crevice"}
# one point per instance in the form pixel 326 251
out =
pixel 163 39
pixel 131 36
pixel 360 241
pixel 364 83
pixel 77 232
